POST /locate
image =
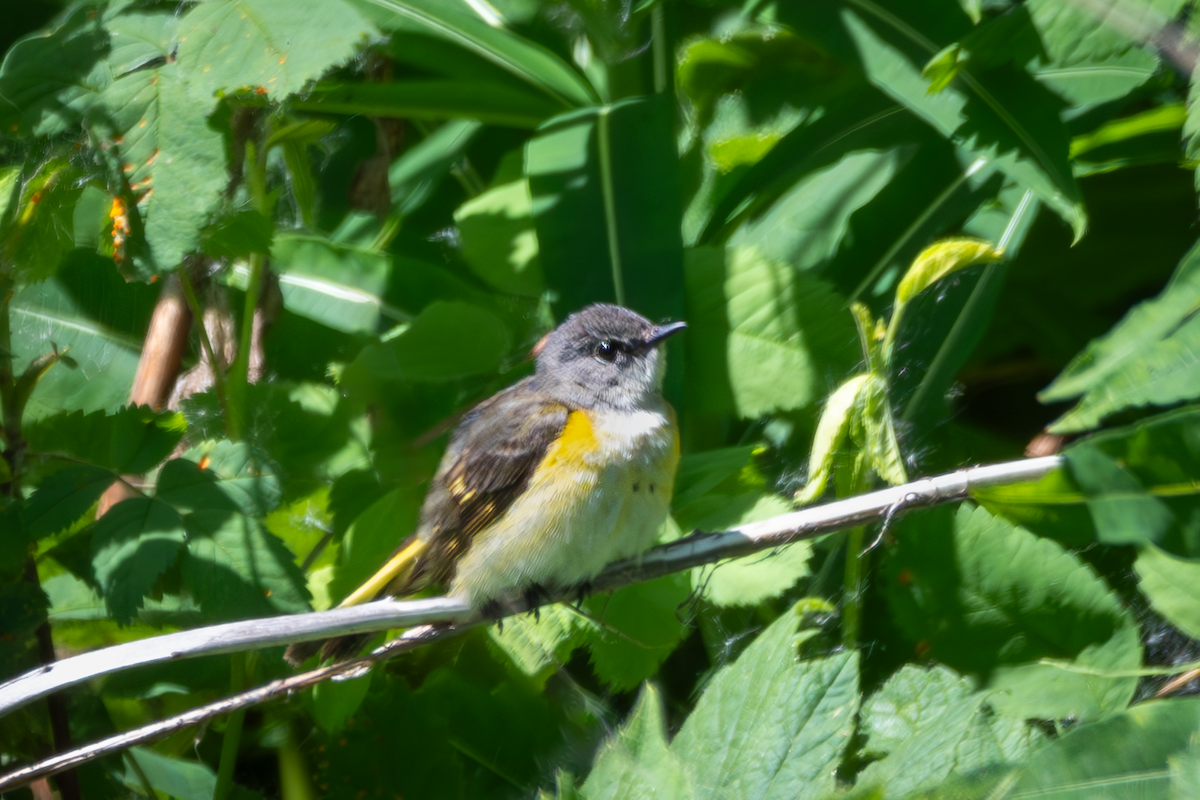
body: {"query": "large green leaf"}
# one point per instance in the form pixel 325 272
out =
pixel 173 159
pixel 1148 358
pixel 44 317
pixel 50 80
pixel 523 58
pixel 770 726
pixel 805 226
pixel 446 341
pixel 1003 116
pixel 1126 756
pixel 226 45
pixel 491 103
pixel 1139 482
pixel 337 285
pixel 931 724
pixel 992 599
pixel 762 335
pixel 605 188
pixel 499 241
pixel 132 546
pixel 244 476
pixel 133 440
pixel 64 497
pixel 637 762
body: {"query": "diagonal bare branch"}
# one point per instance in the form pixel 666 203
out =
pixel 440 617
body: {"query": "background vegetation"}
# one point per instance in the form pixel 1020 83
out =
pixel 405 194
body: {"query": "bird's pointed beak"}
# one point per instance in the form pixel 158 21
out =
pixel 663 331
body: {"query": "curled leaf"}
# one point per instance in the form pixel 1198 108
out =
pixel 831 433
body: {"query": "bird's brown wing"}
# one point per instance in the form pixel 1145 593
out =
pixel 491 457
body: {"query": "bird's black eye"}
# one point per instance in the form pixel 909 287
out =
pixel 606 351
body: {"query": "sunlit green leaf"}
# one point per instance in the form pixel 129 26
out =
pixel 226 45
pixel 770 726
pixel 1173 587
pixel 762 336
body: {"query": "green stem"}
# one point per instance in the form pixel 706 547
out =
pixel 855 564
pixel 256 183
pixel 294 783
pixel 8 386
pixel 852 586
pixel 241 669
pixel 660 51
pixel 604 145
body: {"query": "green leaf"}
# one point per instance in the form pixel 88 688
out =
pixel 1121 508
pixel 988 598
pixel 337 285
pixel 833 431
pixel 132 441
pixel 537 646
pixel 807 224
pixel 132 546
pixel 639 629
pixel 64 497
pixel 762 336
pixel 1139 481
pixel 169 153
pixel 174 777
pixel 604 183
pixel 941 259
pixel 372 538
pixel 489 102
pixel 499 239
pixel 418 171
pixel 445 342
pixel 1185 773
pixel 243 475
pixel 1125 756
pixel 49 80
pixel 528 61
pixel 880 445
pixel 636 762
pixel 1146 359
pixel 237 235
pixel 231 44
pixel 57 314
pixel 770 726
pixel 932 724
pixel 236 569
pixel 752 579
pixel 1172 585
pixel 334 701
pixel 1007 119
pixel 41 232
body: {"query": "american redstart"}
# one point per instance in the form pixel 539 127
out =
pixel 548 481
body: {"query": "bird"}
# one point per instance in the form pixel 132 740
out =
pixel 546 482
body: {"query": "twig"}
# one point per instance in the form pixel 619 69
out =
pixel 451 616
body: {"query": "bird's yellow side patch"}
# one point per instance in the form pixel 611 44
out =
pixel 577 442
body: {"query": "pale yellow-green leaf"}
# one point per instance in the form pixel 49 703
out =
pixel 943 68
pixel 939 260
pixel 883 450
pixel 831 433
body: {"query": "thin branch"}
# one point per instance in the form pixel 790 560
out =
pixel 441 617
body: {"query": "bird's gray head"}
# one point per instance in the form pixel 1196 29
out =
pixel 604 357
